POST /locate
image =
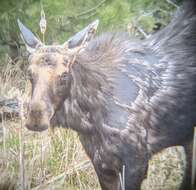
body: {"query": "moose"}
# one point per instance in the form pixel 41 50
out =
pixel 126 98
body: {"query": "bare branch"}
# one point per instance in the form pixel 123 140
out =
pixel 142 31
pixel 92 9
pixel 172 3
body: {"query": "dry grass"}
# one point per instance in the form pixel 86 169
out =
pixel 55 159
pixel 50 159
pixel 166 170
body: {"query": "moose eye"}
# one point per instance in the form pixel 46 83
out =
pixel 64 76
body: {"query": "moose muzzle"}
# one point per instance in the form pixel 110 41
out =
pixel 38 117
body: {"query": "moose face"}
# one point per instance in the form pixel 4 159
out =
pixel 49 72
pixel 50 79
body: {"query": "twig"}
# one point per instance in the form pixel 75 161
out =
pixel 92 9
pixel 90 15
pixel 122 178
pixel 4 137
pixel 42 159
pixel 172 3
pixel 21 153
pixel 142 31
pixel 80 167
pixel 193 161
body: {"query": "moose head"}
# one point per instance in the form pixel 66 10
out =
pixel 49 72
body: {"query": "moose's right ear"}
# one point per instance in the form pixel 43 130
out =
pixel 83 36
pixel 28 37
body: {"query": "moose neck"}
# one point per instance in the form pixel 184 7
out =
pixel 86 106
pixel 91 86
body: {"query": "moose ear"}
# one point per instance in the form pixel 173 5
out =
pixel 83 36
pixel 28 37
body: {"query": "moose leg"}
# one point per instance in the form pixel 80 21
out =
pixel 108 179
pixel 132 179
pixel 109 184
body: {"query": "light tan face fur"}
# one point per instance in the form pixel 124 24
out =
pixel 49 75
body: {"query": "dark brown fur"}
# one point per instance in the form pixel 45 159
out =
pixel 127 99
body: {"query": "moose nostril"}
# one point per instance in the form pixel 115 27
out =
pixel 36 113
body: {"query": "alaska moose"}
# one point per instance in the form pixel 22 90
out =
pixel 126 98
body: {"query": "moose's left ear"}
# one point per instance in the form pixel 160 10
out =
pixel 28 37
pixel 83 36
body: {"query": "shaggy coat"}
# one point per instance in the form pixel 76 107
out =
pixel 129 99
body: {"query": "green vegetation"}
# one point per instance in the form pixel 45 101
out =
pixel 65 17
pixel 56 160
